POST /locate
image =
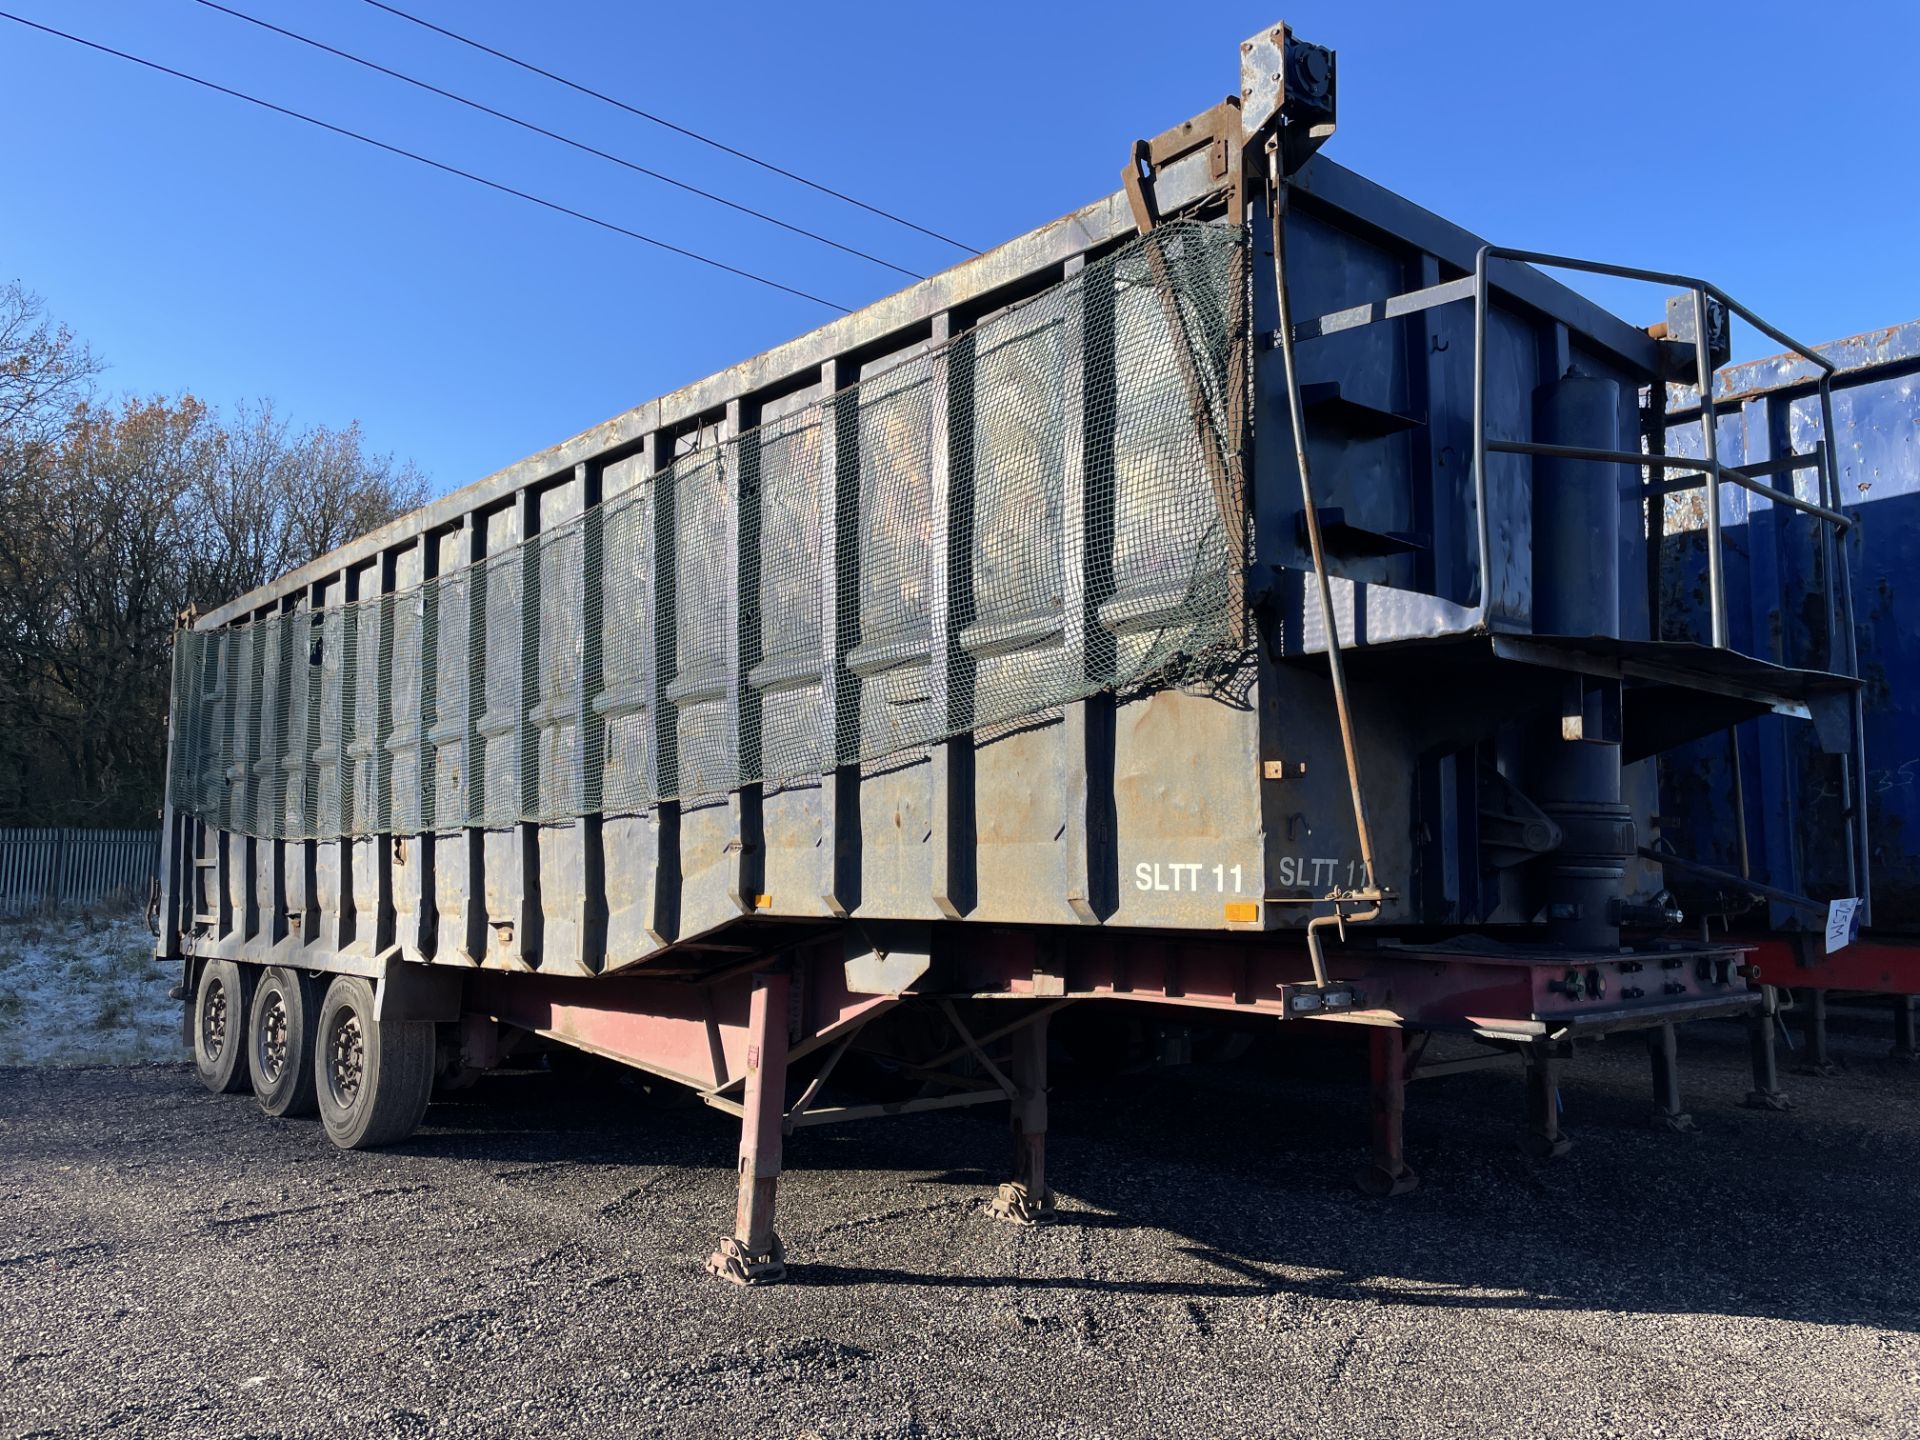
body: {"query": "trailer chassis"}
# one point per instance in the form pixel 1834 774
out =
pixel 735 1035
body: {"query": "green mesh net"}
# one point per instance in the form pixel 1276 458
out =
pixel 1048 506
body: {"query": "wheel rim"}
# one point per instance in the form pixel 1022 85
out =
pixel 346 1058
pixel 213 1020
pixel 270 1040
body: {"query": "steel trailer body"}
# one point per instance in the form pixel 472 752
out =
pixel 1246 558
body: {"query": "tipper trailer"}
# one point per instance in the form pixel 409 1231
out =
pixel 1144 612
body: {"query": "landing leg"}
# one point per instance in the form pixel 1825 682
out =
pixel 1766 1093
pixel 752 1255
pixel 1387 1172
pixel 1026 1200
pixel 1663 1050
pixel 1544 1139
pixel 1818 1061
pixel 1906 1045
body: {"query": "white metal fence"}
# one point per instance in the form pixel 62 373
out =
pixel 43 870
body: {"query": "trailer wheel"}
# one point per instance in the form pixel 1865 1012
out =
pixel 280 1030
pixel 220 1005
pixel 372 1077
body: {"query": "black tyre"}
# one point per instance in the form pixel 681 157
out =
pixel 220 1005
pixel 373 1077
pixel 280 1028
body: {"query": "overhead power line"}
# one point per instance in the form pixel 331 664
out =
pixel 555 135
pixel 439 165
pixel 662 121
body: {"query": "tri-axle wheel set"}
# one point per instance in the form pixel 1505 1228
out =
pixel 307 1045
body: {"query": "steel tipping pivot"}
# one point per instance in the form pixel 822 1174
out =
pixel 1766 1093
pixel 1544 1138
pixel 1388 1060
pixel 1664 1053
pixel 1026 1199
pixel 753 1255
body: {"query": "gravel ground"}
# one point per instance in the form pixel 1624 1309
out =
pixel 529 1265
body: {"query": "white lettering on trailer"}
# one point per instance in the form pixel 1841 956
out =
pixel 1189 877
pixel 1180 877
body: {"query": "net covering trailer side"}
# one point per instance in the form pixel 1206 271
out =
pixel 1143 611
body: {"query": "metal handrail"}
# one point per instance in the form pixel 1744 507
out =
pixel 1646 461
pixel 1709 414
pixel 1827 510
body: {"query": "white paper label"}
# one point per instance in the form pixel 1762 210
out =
pixel 1842 919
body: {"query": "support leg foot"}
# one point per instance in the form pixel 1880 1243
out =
pixel 1766 1093
pixel 1026 1199
pixel 1818 1060
pixel 1374 1181
pixel 1016 1205
pixel 1544 1140
pixel 1906 1042
pixel 1386 1171
pixel 1663 1051
pixel 733 1263
pixel 753 1255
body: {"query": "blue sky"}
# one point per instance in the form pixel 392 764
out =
pixel 200 243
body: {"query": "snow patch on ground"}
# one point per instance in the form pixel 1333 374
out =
pixel 85 990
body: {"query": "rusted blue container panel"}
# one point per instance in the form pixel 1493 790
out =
pixel 1793 799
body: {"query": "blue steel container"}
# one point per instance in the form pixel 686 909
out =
pixel 1793 800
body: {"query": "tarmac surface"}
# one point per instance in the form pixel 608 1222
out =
pixel 173 1264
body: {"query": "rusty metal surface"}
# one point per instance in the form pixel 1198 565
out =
pixel 1325 186
pixel 1771 412
pixel 1470 986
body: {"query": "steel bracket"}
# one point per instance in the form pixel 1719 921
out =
pixel 406 991
pixel 1286 87
pixel 1335 998
pixel 1286 98
pixel 1217 132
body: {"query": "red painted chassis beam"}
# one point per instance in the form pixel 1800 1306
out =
pixel 1883 967
pixel 1503 990
pixel 697 1033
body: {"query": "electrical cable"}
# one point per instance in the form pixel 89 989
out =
pixel 670 125
pixel 439 165
pixel 555 135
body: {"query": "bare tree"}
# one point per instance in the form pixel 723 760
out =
pixel 113 518
pixel 44 371
pixel 275 500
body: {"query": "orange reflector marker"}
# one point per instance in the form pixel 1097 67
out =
pixel 763 902
pixel 1243 912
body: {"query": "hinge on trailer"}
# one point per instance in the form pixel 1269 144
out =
pixel 1216 133
pixel 1286 89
